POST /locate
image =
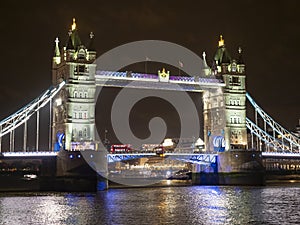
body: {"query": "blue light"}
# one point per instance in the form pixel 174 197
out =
pixel 60 138
pixel 71 156
pixel 78 156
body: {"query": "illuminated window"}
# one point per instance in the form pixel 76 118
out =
pixel 74 133
pixel 84 115
pixel 233 66
pixel 235 119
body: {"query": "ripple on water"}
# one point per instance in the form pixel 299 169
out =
pixel 170 205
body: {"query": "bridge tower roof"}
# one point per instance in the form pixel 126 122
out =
pixel 73 41
pixel 222 55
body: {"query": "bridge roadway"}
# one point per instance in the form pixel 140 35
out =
pixel 192 157
pixel 187 157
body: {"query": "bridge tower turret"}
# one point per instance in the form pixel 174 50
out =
pixel 233 73
pixel 73 124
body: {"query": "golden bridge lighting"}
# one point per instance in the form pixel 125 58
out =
pixel 74 24
pixel 221 42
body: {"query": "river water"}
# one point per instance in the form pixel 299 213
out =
pixel 153 206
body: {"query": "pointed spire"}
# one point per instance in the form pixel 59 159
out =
pixel 206 69
pixel 56 51
pixel 56 57
pixel 92 35
pixel 204 59
pixel 91 43
pixel 240 57
pixel 240 50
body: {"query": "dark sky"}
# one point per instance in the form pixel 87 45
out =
pixel 268 31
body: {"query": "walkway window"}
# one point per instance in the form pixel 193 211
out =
pixel 235 81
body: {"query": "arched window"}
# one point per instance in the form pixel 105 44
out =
pixel 81 54
pixel 74 133
pixel 84 115
pixel 85 132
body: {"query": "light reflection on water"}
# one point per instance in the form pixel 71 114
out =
pixel 170 205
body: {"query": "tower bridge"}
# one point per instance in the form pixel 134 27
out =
pixel 226 128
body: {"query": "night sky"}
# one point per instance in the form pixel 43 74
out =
pixel 268 32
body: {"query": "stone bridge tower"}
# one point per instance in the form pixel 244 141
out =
pixel 233 74
pixel 224 108
pixel 73 124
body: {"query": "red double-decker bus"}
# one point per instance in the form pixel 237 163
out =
pixel 120 149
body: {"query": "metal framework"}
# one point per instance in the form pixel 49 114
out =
pixel 281 140
pixel 206 159
pixel 265 137
pixel 20 117
pixel 202 159
pixel 127 156
pixel 288 142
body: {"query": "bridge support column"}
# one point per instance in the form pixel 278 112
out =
pixel 232 167
pixel 240 167
pixel 214 116
pixel 102 170
pixel 97 161
pixel 12 140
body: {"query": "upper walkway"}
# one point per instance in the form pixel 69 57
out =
pixel 152 81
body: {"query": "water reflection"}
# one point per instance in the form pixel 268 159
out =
pixel 170 205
